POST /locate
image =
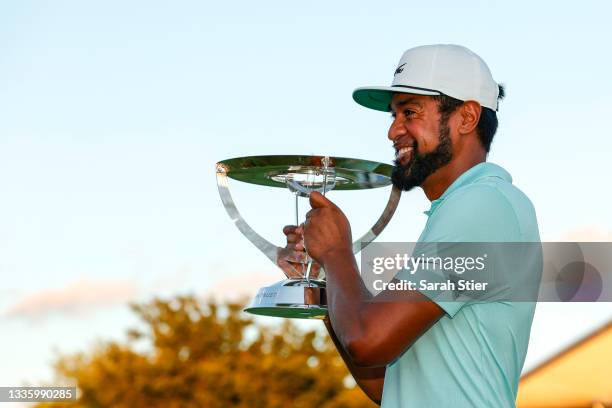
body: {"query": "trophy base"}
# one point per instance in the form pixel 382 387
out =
pixel 291 298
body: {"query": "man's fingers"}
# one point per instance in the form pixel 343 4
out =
pixel 298 246
pixel 295 234
pixel 295 256
pixel 291 271
pixel 293 238
pixel 318 200
pixel 289 229
pixel 293 252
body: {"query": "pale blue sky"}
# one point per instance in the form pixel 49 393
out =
pixel 112 115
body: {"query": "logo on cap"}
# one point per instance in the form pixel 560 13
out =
pixel 399 69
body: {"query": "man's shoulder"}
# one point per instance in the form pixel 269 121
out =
pixel 490 192
pixel 490 208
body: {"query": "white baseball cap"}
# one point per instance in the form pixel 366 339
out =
pixel 446 69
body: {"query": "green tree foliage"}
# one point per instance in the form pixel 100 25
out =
pixel 200 354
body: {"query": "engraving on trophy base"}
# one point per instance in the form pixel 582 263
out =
pixel 291 298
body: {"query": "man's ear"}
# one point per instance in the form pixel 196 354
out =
pixel 470 115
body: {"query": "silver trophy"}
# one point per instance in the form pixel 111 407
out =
pixel 305 297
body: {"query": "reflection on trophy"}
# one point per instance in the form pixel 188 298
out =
pixel 304 297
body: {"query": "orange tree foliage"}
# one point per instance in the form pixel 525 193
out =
pixel 199 354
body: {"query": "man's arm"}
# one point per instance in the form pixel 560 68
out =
pixel 373 333
pixel 376 332
pixel 369 379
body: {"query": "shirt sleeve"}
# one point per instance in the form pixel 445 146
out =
pixel 463 226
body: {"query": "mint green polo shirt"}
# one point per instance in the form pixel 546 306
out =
pixel 473 356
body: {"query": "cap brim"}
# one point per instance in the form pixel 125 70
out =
pixel 379 97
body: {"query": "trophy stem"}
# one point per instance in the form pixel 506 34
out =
pixel 325 162
pixel 308 271
pixel 297 214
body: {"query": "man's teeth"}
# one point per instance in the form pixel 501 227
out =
pixel 404 151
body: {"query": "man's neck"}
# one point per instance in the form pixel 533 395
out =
pixel 436 184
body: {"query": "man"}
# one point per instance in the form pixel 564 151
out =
pixel 424 352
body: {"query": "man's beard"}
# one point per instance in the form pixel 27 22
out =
pixel 422 166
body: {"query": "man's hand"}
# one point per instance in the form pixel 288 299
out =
pixel 292 257
pixel 326 230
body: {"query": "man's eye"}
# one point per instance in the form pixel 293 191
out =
pixel 406 112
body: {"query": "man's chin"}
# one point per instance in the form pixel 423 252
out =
pixel 402 178
pixel 405 186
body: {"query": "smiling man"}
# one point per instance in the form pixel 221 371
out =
pixel 422 351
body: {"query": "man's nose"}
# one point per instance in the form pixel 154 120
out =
pixel 396 130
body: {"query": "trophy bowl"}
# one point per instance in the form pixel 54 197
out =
pixel 304 297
